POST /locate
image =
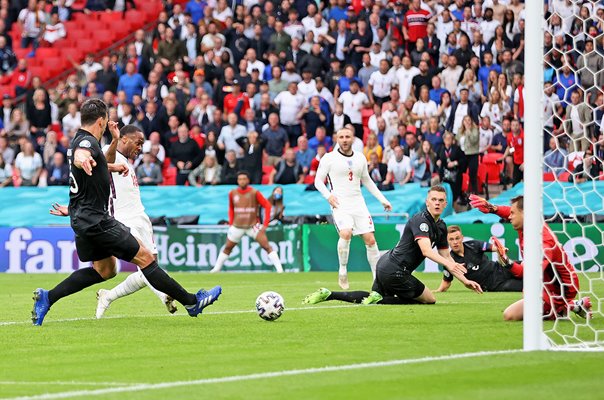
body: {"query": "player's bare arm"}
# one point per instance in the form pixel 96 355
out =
pixel 322 172
pixel 115 138
pixel 373 189
pixel 83 159
pixel 119 168
pixel 460 276
pixel 59 210
pixel 444 286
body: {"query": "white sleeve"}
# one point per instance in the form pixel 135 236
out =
pixel 516 96
pixel 322 172
pixel 370 185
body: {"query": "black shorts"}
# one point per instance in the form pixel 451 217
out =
pixel 509 285
pixel 108 238
pixel 391 280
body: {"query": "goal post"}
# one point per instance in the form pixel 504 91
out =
pixel 533 336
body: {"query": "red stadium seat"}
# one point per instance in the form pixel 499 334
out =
pixel 266 171
pixel 549 177
pixel 563 177
pixel 135 18
pixel 40 72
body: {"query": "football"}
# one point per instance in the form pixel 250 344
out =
pixel 270 305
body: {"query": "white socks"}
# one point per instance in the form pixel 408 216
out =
pixel 274 257
pixel 373 255
pixel 133 283
pixel 222 257
pixel 343 251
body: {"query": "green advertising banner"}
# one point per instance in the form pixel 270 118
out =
pixel 196 248
pixel 583 243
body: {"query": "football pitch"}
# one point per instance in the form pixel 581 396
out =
pixel 458 348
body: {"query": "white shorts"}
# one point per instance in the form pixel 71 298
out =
pixel 358 220
pixel 235 234
pixel 141 228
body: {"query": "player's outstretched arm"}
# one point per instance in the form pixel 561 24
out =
pixel 115 137
pixel 59 210
pixel 444 286
pixel 119 168
pixel 83 159
pixel 487 208
pixel 458 270
pixel 373 189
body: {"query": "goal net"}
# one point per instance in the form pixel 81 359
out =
pixel 563 170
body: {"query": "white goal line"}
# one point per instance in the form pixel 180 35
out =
pixel 264 375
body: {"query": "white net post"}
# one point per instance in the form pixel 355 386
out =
pixel 533 338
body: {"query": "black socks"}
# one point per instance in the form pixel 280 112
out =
pixel 80 279
pixel 349 297
pixel 161 281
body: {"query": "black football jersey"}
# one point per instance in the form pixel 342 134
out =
pixel 407 254
pixel 88 195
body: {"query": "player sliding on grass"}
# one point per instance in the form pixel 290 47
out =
pixel 99 237
pixel 126 206
pixel 394 283
pixel 560 282
pixel 346 170
pixel 491 276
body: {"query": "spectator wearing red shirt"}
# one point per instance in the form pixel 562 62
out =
pixel 236 102
pixel 415 24
pixel 516 149
pixel 20 78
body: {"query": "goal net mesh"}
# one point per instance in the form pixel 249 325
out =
pixel 573 184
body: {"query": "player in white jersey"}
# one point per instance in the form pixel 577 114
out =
pixel 346 170
pixel 125 205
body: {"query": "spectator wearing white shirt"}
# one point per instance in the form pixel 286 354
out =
pixel 290 103
pixel 380 83
pixel 405 77
pixel 495 109
pixel 71 122
pixel 28 165
pixel 376 55
pixel 319 28
pixel 450 75
pixel 353 101
pixel 253 63
pixel 227 141
pixel 488 25
pixel 486 135
pixel 424 108
pixel 307 87
pixel 55 30
pixel 399 168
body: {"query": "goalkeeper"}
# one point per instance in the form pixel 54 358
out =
pixel 560 281
pixel 490 275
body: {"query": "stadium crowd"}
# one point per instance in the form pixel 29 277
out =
pixel 431 89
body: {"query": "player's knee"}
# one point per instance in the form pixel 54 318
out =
pixel 144 257
pixel 108 274
pixel 346 234
pixel 369 242
pixel 510 315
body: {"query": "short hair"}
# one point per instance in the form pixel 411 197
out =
pixel 453 229
pixel 129 130
pixel 519 201
pixel 91 110
pixel 438 188
pixel 242 172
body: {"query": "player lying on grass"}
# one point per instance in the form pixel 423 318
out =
pixel 346 170
pixel 394 282
pixel 99 237
pixel 126 206
pixel 560 282
pixel 490 275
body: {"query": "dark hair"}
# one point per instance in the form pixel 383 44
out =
pixel 453 228
pixel 438 188
pixel 129 130
pixel 243 173
pixel 519 201
pixel 91 110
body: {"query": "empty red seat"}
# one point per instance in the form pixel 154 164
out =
pixel 549 177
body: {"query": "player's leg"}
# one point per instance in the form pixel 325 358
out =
pixel 373 253
pixel 344 223
pixel 324 294
pixel 234 236
pixel 261 238
pixel 514 312
pixel 509 285
pixel 399 287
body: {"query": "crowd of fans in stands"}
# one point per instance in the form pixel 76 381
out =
pixel 428 87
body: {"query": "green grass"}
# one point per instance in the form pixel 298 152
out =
pixel 139 343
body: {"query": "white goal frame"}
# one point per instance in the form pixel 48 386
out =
pixel 533 336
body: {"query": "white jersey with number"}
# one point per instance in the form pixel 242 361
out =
pixel 125 203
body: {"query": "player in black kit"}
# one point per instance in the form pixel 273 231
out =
pixel 394 283
pixel 491 276
pixel 99 237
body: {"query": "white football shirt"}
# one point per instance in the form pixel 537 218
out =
pixel 125 201
pixel 353 103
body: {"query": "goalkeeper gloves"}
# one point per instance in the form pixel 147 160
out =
pixel 482 204
pixel 502 256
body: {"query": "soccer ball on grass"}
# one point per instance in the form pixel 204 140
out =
pixel 270 305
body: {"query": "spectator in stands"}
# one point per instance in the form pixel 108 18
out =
pixel 210 147
pixel 288 171
pixel 579 123
pixel 28 165
pixel 353 101
pixel 18 127
pixel 320 138
pixel 461 109
pixel 48 146
pixel 589 169
pixel 207 173
pixel 57 171
pixel 62 9
pixel 230 167
pixel 469 141
pixel 424 108
pixel 399 168
pixel 227 140
pixel 107 76
pixel 423 163
pixel 6 172
pixel 202 113
pixel 185 154
pixel 53 31
pixel 372 147
pixel 378 171
pixel 555 159
pixel 154 146
pixel 515 151
pixel 71 122
pixel 32 20
pixel 449 162
pixel 132 83
pixel 95 5
pixel 290 104
pixel 39 114
pixel 304 154
pixel 277 206
pixel 6 110
pixel 20 78
pixel 8 59
pixel 151 120
pixel 313 116
pixel 253 150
